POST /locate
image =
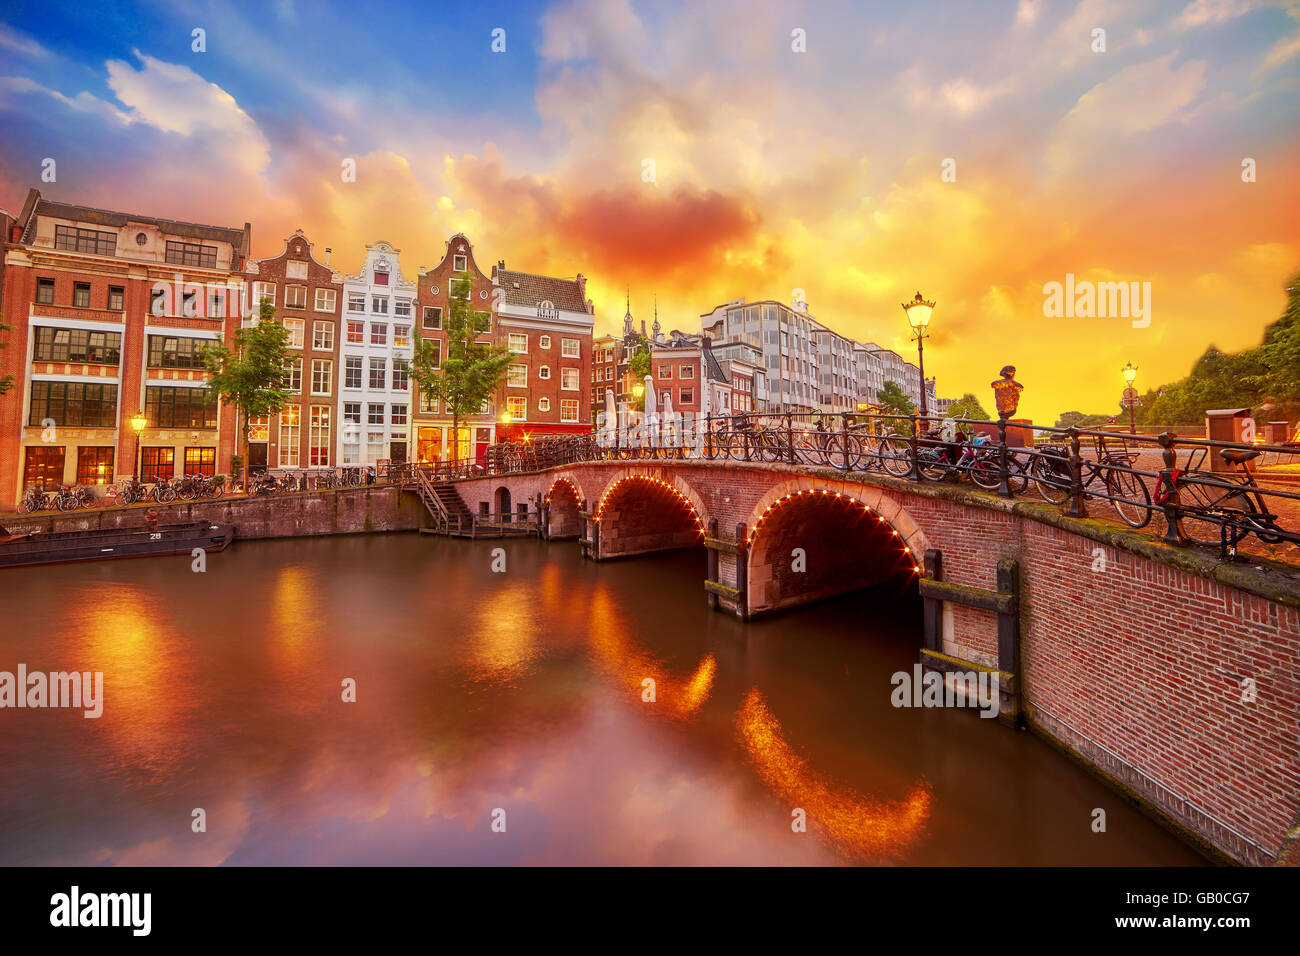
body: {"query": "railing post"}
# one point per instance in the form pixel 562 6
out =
pixel 713 564
pixel 844 441
pixel 742 571
pixel 789 437
pixel 1171 505
pixel 1076 507
pixel 1004 486
pixel 708 436
pixel 914 449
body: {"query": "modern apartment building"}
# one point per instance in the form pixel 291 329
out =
pixel 836 371
pixel 109 312
pixel 783 337
pixel 375 395
pixel 307 295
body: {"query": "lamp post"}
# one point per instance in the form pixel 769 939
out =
pixel 918 317
pixel 1130 395
pixel 138 423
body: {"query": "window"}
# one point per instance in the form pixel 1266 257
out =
pixel 157 464
pixel 322 376
pixel 435 352
pixel 375 414
pixel 544 372
pixel 428 404
pixel 352 372
pixel 381 276
pixel 169 351
pixel 81 295
pixel 216 304
pixel 569 379
pixel 189 304
pixel 86 240
pixel 295 297
pixel 191 254
pixel 157 302
pixel 568 409
pixel 94 465
pixel 402 307
pixel 356 332
pixel 432 313
pixel 378 372
pixel 665 372
pixel 517 376
pixel 356 301
pixel 609 374
pixel 517 342
pixel 325 300
pixel 398 413
pixel 263 290
pixel 686 371
pixel 322 336
pixel 543 404
pixel 77 345
pixel 74 403
pixel 290 435
pixel 458 288
pixel 43 467
pixel 544 342
pixel 295 327
pixel 401 380
pixel 169 407
pixel 379 304
pixel 201 461
pixel 378 333
pixel 688 396
pixel 571 348
pixel 45 291
pixel 318 447
pixel 401 336
pixel 295 269
pixel 517 406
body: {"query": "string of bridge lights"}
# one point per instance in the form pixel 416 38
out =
pixel 572 487
pixel 600 509
pixel 866 510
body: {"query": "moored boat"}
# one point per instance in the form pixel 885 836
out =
pixel 20 550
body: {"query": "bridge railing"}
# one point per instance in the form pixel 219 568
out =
pixel 1203 491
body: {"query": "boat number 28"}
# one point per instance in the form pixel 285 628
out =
pixel 156 536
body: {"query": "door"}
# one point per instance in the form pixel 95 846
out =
pixel 257 456
pixel 482 440
pixel 397 452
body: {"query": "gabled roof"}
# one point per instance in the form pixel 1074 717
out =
pixel 107 217
pixel 526 289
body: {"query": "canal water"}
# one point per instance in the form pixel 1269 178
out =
pixel 502 717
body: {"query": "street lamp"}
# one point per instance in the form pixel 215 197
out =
pixel 1130 372
pixel 138 423
pixel 918 317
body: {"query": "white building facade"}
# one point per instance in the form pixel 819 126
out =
pixel 375 353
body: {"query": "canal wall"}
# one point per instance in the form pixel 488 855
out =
pixel 292 514
pixel 1173 675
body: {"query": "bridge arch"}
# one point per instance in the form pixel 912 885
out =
pixel 563 502
pixel 810 540
pixel 642 511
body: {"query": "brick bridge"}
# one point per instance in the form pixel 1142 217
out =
pixel 1170 673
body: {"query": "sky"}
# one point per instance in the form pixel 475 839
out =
pixel 703 151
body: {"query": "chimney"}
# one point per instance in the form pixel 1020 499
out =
pixel 328 250
pixel 582 285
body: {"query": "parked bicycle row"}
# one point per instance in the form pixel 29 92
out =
pixel 129 492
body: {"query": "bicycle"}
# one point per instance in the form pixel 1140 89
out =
pixel 1050 473
pixel 1234 500
pixel 131 491
pixel 68 499
pixel 34 500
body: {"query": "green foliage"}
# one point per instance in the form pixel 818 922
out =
pixel 250 375
pixel 639 366
pixel 471 371
pixel 968 406
pixel 7 381
pixel 893 401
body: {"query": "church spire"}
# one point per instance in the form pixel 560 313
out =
pixel 627 316
pixel 655 327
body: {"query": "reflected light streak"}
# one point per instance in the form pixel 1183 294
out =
pixel 858 827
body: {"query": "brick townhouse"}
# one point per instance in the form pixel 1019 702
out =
pixel 109 310
pixel 307 295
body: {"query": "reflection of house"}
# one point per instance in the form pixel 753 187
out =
pixel 110 312
pixel 307 296
pixel 375 395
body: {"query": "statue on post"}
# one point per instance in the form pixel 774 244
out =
pixel 1006 392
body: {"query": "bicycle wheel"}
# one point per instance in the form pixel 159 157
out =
pixel 986 473
pixel 771 445
pixel 68 503
pixel 1051 479
pixel 1205 505
pixel 932 466
pixel 895 456
pixel 1130 496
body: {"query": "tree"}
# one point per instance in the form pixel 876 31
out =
pixel 6 381
pixel 639 368
pixel 251 375
pixel 893 401
pixel 471 371
pixel 968 406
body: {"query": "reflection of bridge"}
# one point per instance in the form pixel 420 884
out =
pixel 1129 653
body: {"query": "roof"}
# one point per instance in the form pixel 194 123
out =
pixel 106 217
pixel 524 288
